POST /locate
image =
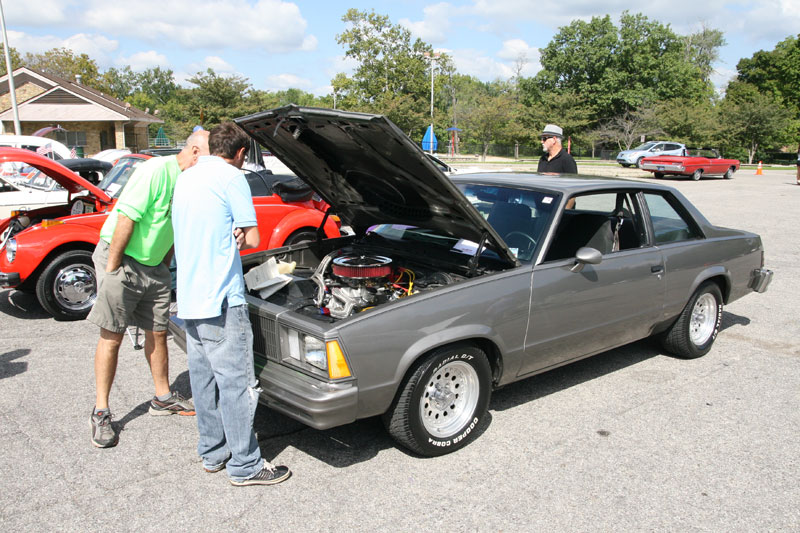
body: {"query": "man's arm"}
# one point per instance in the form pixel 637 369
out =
pixel 251 238
pixel 119 241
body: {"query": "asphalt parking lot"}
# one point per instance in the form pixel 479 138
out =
pixel 629 440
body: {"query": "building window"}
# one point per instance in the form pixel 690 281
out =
pixel 71 138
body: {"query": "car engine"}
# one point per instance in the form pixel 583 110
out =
pixel 349 282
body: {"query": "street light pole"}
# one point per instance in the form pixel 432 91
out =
pixel 431 59
pixel 12 90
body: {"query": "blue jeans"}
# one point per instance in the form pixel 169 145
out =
pixel 225 390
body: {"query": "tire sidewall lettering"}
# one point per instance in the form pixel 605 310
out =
pixel 458 438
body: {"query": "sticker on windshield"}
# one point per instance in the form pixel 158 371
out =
pixel 547 200
pixel 112 189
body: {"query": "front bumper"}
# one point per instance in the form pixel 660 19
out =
pixel 316 403
pixel 313 402
pixel 760 279
pixel 10 279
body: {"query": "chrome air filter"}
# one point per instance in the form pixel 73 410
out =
pixel 362 266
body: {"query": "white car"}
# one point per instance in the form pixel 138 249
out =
pixel 633 157
pixel 40 190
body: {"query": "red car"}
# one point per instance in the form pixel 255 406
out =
pixel 48 251
pixel 697 162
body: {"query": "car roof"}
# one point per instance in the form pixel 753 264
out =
pixel 567 184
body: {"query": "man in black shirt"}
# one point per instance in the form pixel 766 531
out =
pixel 555 160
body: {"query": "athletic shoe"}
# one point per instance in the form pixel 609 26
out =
pixel 268 475
pixel 103 434
pixel 175 405
pixel 217 467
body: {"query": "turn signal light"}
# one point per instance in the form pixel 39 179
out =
pixel 337 366
pixel 48 223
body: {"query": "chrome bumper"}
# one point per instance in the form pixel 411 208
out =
pixel 662 168
pixel 760 279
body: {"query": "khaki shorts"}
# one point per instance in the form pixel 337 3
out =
pixel 132 295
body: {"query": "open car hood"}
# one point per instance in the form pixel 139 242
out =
pixel 369 171
pixel 61 174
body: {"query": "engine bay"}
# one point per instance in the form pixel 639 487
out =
pixel 352 280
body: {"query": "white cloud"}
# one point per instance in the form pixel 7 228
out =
pixel 35 12
pixel 517 50
pixel 97 47
pixel 435 25
pixel 216 63
pixel 344 64
pixel 271 25
pixel 141 61
pixel 280 82
pixel 474 63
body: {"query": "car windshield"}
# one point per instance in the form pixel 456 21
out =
pixel 645 146
pixel 519 216
pixel 41 182
pixel 118 176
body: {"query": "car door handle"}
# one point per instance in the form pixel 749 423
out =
pixel 657 269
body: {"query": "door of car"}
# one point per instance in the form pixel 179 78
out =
pixel 601 306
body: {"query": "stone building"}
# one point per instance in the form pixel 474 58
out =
pixel 93 121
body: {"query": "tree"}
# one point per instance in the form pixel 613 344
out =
pixel 488 117
pixel 755 120
pixel 64 63
pixel 776 72
pixel 695 123
pixel 630 126
pixel 16 59
pixel 702 49
pixel 617 69
pixel 388 60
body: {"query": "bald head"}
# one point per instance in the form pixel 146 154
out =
pixel 196 145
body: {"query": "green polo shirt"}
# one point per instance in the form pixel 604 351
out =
pixel 147 200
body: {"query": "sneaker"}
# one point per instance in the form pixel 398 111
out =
pixel 103 434
pixel 268 475
pixel 217 467
pixel 175 405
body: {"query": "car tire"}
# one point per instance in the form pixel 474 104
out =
pixel 693 333
pixel 639 162
pixel 300 236
pixel 697 174
pixel 626 165
pixel 728 174
pixel 658 175
pixel 67 287
pixel 442 402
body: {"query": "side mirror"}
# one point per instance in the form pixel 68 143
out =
pixel 586 256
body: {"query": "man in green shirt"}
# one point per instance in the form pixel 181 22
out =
pixel 132 266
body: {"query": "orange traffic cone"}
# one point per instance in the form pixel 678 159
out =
pixel 759 170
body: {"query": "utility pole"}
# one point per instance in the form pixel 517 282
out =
pixel 431 59
pixel 11 88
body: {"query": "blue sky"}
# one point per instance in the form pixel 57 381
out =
pixel 281 44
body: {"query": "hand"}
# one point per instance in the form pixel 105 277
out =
pixel 238 234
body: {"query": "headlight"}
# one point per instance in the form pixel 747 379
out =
pixel 11 250
pixel 314 353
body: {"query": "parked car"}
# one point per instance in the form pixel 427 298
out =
pixel 451 287
pixel 697 162
pixel 48 251
pixel 633 157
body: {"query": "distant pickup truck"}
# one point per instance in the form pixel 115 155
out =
pixel 697 162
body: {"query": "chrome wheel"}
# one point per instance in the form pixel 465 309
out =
pixel 75 287
pixel 703 319
pixel 449 399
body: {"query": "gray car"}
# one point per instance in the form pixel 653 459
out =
pixel 452 287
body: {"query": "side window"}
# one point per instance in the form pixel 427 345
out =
pixel 603 221
pixel 257 185
pixel 669 225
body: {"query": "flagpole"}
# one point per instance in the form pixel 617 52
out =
pixel 11 88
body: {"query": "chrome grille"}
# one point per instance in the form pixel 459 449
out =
pixel 266 342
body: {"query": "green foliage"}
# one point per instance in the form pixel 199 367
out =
pixel 64 63
pixel 753 119
pixel 776 72
pixel 616 69
pixel 16 59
